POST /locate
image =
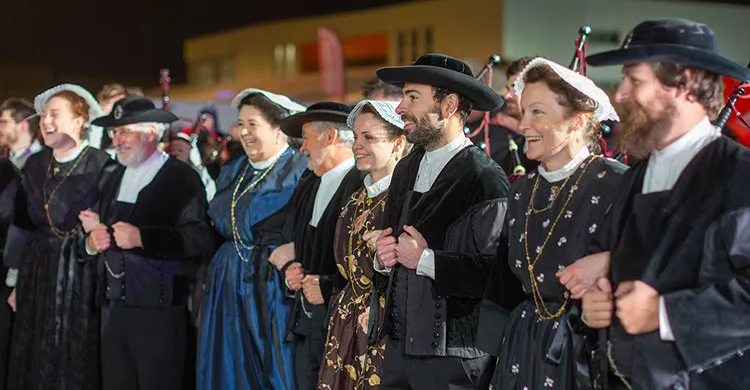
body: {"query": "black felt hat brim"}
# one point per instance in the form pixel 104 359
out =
pixel 292 125
pixel 482 96
pixel 155 115
pixel 680 54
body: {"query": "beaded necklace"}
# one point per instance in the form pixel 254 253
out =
pixel 541 307
pixel 236 237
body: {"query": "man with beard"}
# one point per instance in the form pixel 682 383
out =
pixel 18 125
pixel 504 126
pixel 447 199
pixel 308 261
pixel 677 240
pixel 153 231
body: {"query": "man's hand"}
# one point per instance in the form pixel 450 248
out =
pixel 637 307
pixel 598 305
pixel 311 289
pixel 12 300
pixel 386 245
pixel 294 274
pixel 89 220
pixel 99 239
pixel 410 246
pixel 127 236
pixel 581 275
pixel 282 255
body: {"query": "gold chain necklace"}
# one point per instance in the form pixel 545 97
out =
pixel 363 212
pixel 61 234
pixel 541 308
pixel 236 237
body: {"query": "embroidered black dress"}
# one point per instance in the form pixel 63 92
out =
pixel 538 348
pixel 56 338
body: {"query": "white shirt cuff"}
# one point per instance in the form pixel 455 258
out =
pixel 426 265
pixel 11 278
pixel 665 330
pixel 89 250
pixel 378 268
pixel 286 283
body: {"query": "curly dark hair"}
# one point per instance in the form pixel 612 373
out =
pixel 704 86
pixel 464 104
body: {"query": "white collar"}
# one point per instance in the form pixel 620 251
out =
pixel 567 169
pixel 448 149
pixel 267 163
pixel 156 158
pixel 335 171
pixel 704 128
pixel 375 189
pixel 73 155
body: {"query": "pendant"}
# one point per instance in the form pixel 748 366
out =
pixel 55 171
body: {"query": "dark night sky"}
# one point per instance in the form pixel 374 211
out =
pixel 93 42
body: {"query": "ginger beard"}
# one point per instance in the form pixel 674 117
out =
pixel 642 130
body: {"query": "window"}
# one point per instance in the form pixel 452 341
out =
pixel 285 60
pixel 205 74
pixel 226 71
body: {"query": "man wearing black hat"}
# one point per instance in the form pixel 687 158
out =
pixel 316 204
pixel 150 230
pixel 445 212
pixel 677 240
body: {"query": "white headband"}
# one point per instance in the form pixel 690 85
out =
pixel 279 100
pixel 386 110
pixel 604 110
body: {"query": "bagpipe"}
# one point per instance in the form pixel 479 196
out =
pixel 219 151
pixel 484 127
pixel 738 102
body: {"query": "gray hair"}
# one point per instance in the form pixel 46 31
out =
pixel 144 127
pixel 346 134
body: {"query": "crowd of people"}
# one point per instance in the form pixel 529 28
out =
pixel 381 244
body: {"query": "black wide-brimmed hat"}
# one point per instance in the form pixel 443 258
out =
pixel 674 40
pixel 447 72
pixel 134 109
pixel 318 112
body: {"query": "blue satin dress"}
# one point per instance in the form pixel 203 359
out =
pixel 245 312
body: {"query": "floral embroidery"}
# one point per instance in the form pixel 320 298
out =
pixel 517 196
pixel 545 223
pixel 549 383
pixel 555 325
pixel 512 221
pixel 601 174
pixel 540 278
pixel 562 241
pixel 592 228
pixel 595 200
pixel 532 175
pixel 523 314
pixel 515 369
pixel 568 214
pixel 560 268
pixel 573 189
pixel 518 263
pixel 538 249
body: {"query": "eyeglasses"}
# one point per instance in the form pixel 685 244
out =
pixel 122 131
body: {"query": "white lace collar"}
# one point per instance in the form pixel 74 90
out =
pixel 567 169
pixel 375 189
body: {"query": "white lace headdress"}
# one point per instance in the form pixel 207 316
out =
pixel 604 110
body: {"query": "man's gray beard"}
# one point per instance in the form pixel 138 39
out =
pixel 138 154
pixel 639 135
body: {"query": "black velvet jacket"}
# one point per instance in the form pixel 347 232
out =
pixel 176 234
pixel 695 251
pixel 462 213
